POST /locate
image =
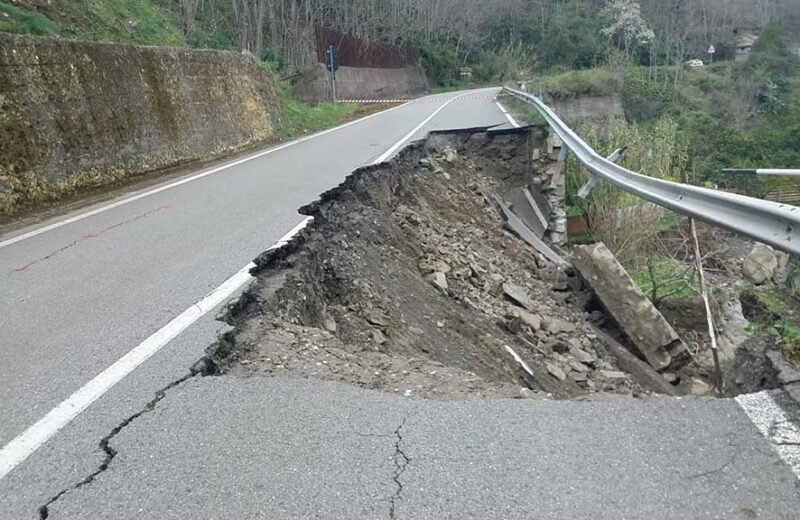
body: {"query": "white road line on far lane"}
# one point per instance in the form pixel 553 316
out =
pixel 103 209
pixel 507 114
pixel 775 425
pixel 388 153
pixel 22 446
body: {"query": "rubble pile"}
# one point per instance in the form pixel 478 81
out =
pixel 407 281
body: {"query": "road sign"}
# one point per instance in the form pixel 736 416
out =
pixel 712 50
pixel 332 58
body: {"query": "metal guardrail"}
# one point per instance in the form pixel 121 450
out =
pixel 769 222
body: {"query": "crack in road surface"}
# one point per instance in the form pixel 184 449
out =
pixel 88 236
pixel 105 444
pixel 401 461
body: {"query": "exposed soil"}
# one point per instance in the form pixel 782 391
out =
pixel 407 281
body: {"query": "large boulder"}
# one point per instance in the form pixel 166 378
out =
pixel 760 264
pixel 635 314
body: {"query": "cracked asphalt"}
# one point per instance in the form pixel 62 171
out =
pixel 77 298
pixel 226 447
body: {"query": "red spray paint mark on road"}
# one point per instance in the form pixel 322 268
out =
pixel 20 269
pixel 89 236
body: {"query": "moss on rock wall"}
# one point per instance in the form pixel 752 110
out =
pixel 76 114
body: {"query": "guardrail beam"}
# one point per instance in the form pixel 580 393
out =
pixel 769 222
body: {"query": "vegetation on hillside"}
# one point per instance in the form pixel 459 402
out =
pixel 129 21
pixel 497 39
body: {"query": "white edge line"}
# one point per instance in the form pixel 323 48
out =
pixel 507 114
pixel 103 209
pixel 22 446
pixel 773 423
pixel 388 153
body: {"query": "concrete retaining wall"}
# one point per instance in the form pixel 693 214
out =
pixel 573 111
pixel 362 83
pixel 74 113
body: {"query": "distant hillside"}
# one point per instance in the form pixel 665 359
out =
pixel 497 39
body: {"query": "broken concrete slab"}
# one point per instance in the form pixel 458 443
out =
pixel 556 371
pixel 613 374
pixel 516 225
pixel 635 314
pixel 556 326
pixel 439 280
pixel 534 321
pixel 518 295
pixel 641 372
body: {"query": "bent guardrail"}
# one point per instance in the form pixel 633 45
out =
pixel 769 222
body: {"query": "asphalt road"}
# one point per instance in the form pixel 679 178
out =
pixel 257 448
pixel 79 297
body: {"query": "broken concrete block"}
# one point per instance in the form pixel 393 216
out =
pixel 534 321
pixel 631 309
pixel 329 323
pixel 760 264
pixel 613 375
pixel 556 326
pixel 555 371
pixel 518 295
pixel 582 356
pixel 439 280
pixel 378 337
pixel 700 387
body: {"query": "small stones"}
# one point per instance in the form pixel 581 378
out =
pixel 449 154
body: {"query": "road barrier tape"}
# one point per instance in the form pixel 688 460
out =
pixel 426 99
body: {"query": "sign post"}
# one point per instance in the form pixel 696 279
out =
pixel 711 52
pixel 332 64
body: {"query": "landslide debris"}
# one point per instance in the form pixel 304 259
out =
pixel 407 281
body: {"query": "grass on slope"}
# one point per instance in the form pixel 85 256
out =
pixel 16 20
pixel 126 21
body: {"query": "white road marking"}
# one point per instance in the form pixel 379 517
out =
pixel 31 439
pixel 21 447
pixel 775 425
pixel 507 114
pixel 388 153
pixel 103 209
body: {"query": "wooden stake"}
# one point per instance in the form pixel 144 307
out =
pixel 698 260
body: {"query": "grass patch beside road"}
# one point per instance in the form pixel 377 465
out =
pixel 304 118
